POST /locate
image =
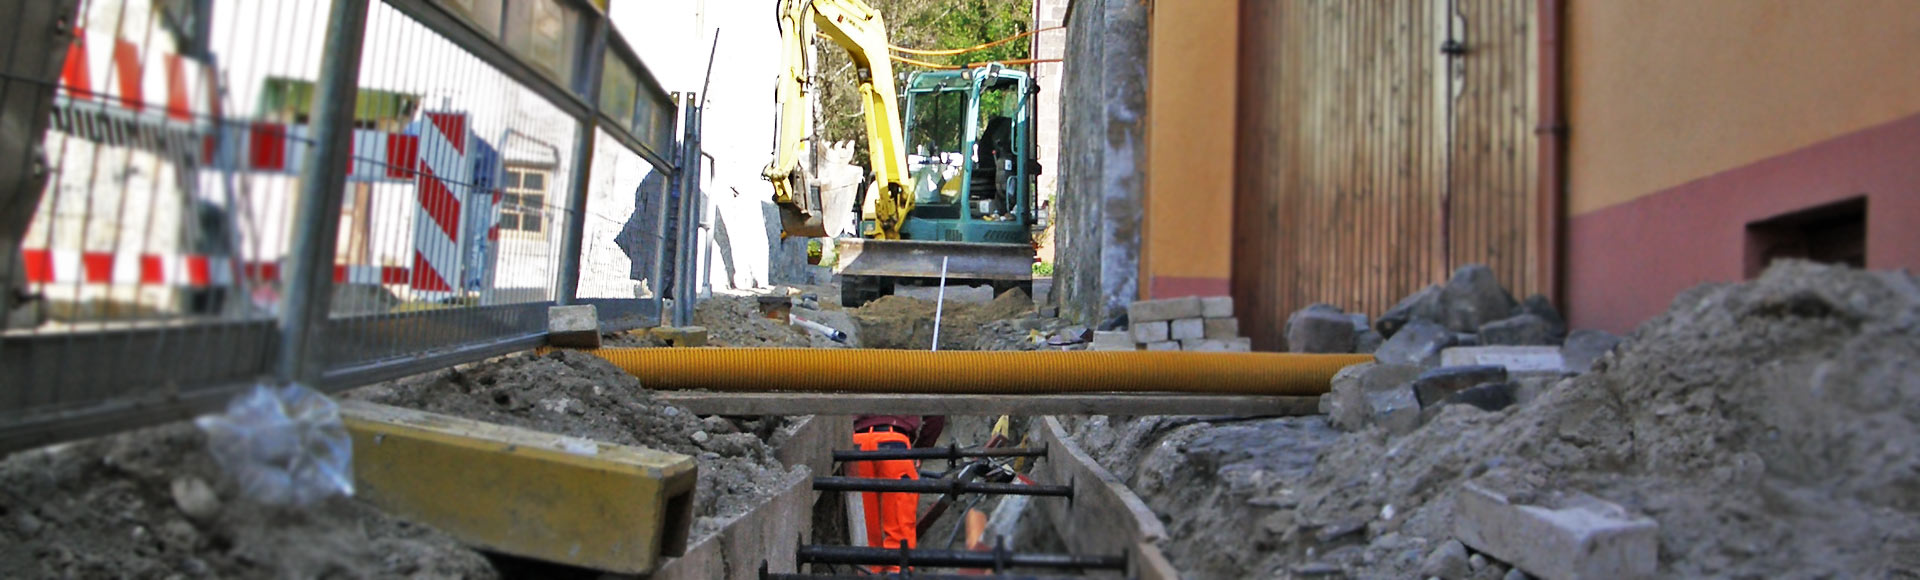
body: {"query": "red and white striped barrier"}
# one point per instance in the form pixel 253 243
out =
pixel 116 73
pixel 456 219
pixel 445 177
pixel 193 270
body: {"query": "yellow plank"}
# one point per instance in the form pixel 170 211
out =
pixel 522 492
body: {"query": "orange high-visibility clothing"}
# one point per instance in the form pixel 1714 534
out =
pixel 891 517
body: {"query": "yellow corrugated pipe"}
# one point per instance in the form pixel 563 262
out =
pixel 980 372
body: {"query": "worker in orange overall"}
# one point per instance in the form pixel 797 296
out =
pixel 892 517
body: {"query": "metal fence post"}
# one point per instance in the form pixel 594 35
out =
pixel 323 182
pixel 582 175
pixel 684 295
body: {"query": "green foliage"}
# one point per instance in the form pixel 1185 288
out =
pixel 922 24
pixel 1043 268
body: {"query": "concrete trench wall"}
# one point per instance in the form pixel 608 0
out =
pixel 1102 155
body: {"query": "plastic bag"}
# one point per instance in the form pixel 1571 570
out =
pixel 284 446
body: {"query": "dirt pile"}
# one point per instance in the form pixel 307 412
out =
pixel 1767 426
pixel 899 322
pixel 107 508
pixel 736 321
pixel 582 395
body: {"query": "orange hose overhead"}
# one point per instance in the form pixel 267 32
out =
pixel 979 372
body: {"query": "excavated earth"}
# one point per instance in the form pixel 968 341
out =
pixel 581 395
pixel 152 504
pixel 1769 427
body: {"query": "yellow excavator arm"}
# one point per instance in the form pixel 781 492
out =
pixel 859 29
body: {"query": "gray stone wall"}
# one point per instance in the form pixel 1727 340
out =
pixel 1102 158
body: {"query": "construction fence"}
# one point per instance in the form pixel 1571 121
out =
pixel 197 196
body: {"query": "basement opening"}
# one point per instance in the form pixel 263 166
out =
pixel 1834 233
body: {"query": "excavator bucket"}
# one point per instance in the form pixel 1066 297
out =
pixel 922 259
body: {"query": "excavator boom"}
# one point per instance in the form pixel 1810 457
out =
pixel 860 30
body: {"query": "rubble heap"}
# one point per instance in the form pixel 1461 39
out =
pixel 1755 429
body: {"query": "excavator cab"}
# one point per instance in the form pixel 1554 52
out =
pixel 975 137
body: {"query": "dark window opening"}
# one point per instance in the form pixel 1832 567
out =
pixel 1834 233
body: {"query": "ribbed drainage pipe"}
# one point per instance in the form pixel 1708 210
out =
pixel 979 372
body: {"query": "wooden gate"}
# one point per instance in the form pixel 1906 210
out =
pixel 1382 144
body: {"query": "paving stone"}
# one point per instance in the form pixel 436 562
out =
pixel 1187 329
pixel 1559 536
pixel 1222 328
pixel 1112 340
pixel 1436 385
pixel 1424 305
pixel 682 336
pixel 575 326
pixel 1314 330
pixel 1583 347
pixel 1539 305
pixel 1521 330
pixel 1528 388
pixel 1165 309
pixel 1518 360
pixel 1419 343
pixel 1395 408
pixel 1488 396
pixel 1216 306
pixel 1367 342
pixel 1348 406
pixel 1203 345
pixel 1473 297
pixel 1448 561
pixel 1163 345
pixel 1146 332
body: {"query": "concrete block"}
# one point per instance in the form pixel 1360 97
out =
pixel 1518 360
pixel 1187 329
pixel 1436 385
pixel 1162 310
pixel 1239 344
pixel 1222 328
pixel 1417 343
pixel 573 326
pixel 549 497
pixel 1558 536
pixel 1164 345
pixel 1216 306
pixel 1316 330
pixel 1112 340
pixel 682 336
pixel 1150 332
pixel 1203 345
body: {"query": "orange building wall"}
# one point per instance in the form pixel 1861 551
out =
pixel 1688 121
pixel 1193 67
pixel 1661 92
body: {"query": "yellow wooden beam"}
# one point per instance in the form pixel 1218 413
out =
pixel 539 495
